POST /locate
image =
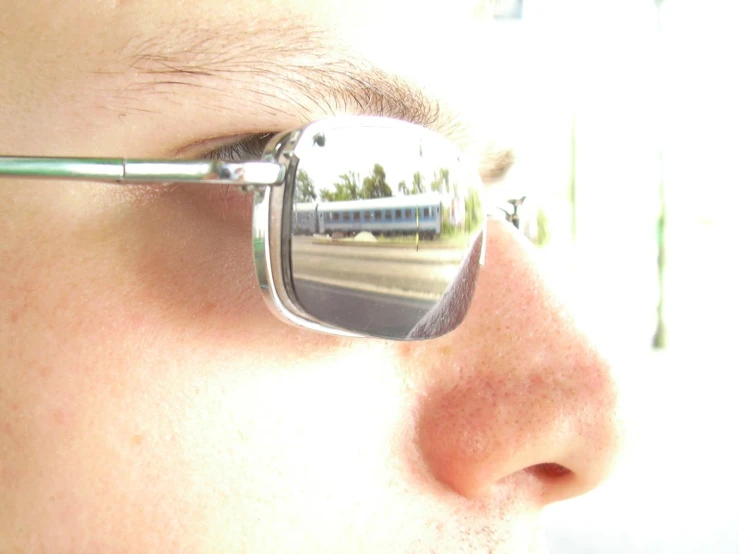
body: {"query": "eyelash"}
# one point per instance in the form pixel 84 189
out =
pixel 247 149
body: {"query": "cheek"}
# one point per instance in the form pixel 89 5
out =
pixel 175 447
pixel 126 299
pixel 145 386
pixel 191 255
pixel 174 262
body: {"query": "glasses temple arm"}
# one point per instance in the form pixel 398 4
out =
pixel 123 171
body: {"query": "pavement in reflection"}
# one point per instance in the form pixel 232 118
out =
pixel 402 271
pixel 383 289
pixel 362 311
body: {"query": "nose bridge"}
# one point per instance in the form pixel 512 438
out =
pixel 517 389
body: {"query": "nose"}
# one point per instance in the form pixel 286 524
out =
pixel 517 394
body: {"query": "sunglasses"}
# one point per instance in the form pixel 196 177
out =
pixel 362 226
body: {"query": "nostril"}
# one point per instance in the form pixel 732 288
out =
pixel 549 471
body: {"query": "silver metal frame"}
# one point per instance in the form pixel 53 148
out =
pixel 274 227
pixel 122 171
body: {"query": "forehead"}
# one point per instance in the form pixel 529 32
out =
pixel 276 63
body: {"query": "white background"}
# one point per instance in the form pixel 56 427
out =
pixel 632 89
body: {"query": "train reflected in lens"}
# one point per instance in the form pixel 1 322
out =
pixel 383 221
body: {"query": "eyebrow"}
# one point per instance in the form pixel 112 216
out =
pixel 293 70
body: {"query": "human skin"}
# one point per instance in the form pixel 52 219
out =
pixel 149 400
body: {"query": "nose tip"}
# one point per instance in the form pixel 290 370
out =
pixel 517 393
pixel 495 423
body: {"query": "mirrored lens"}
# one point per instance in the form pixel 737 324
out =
pixel 385 230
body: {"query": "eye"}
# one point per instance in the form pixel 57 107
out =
pixel 247 149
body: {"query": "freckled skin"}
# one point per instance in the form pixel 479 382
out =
pixel 496 408
pixel 150 401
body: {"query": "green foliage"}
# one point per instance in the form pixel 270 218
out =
pixel 403 188
pixel 447 229
pixel 304 190
pixel 444 175
pixel 417 183
pixel 472 211
pixel 375 186
pixel 441 181
pixel 542 228
pixel 348 188
pixel 349 184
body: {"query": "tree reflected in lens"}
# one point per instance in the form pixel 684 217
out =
pixel 383 220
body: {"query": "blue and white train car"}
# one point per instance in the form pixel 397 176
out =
pixel 395 215
pixel 305 219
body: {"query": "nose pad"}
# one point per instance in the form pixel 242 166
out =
pixel 516 393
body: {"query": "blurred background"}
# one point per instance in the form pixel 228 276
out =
pixel 624 123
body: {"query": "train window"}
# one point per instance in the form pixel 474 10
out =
pixel 398 214
pixel 345 216
pixel 425 212
pixel 388 214
pixel 378 214
pixel 356 216
pixel 366 216
pixel 407 214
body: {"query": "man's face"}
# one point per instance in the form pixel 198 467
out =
pixel 149 400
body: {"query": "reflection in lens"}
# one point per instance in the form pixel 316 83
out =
pixel 260 219
pixel 385 230
pixel 447 314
